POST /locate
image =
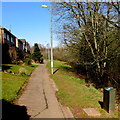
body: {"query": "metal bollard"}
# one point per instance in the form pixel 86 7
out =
pixel 109 100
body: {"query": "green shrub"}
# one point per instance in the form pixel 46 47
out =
pixel 27 61
pixel 17 62
pixel 22 71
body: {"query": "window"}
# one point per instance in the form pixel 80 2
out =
pixel 8 37
pixel 5 35
pixel 12 39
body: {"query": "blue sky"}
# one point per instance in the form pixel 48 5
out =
pixel 28 20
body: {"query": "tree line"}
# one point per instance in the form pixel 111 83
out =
pixel 90 33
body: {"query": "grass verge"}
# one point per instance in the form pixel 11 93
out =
pixel 12 83
pixel 73 91
pixel 16 68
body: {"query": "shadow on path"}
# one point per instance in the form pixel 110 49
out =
pixel 13 112
pixel 55 71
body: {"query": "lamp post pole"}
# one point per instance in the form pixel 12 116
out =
pixel 48 51
pixel 51 38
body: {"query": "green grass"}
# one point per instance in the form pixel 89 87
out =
pixel 12 84
pixel 16 68
pixel 73 91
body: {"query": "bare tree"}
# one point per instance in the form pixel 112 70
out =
pixel 86 28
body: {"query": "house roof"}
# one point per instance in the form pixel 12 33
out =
pixel 20 41
pixel 23 40
pixel 9 31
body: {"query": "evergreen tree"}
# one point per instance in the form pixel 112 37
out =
pixel 37 53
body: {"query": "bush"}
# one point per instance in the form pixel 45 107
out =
pixel 17 62
pixel 22 71
pixel 27 61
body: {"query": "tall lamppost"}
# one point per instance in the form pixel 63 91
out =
pixel 50 36
pixel 48 51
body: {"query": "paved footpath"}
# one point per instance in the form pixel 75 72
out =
pixel 39 97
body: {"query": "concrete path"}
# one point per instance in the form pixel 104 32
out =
pixel 39 97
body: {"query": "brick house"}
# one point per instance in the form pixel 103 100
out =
pixel 8 41
pixel 28 48
pixel 24 44
pixel 12 47
pixel 19 44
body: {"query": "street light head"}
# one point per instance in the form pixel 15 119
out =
pixel 44 5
